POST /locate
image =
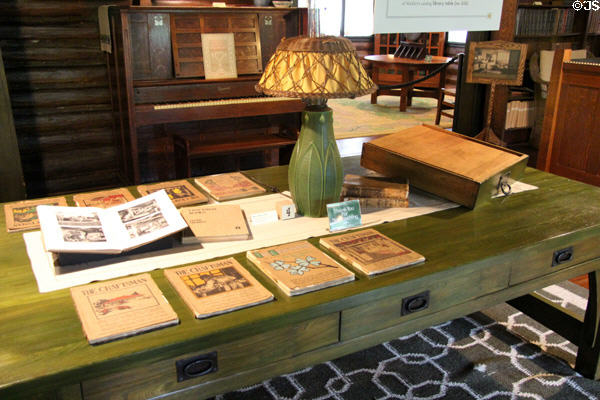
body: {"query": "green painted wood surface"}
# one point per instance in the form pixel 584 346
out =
pixel 44 347
pixel 232 358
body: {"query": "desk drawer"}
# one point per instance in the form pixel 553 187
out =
pixel 242 355
pixel 442 293
pixel 550 257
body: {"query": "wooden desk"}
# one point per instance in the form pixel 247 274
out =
pixel 407 67
pixel 475 259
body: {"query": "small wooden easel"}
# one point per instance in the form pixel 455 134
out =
pixel 487 133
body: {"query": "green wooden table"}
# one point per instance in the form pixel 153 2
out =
pixel 475 259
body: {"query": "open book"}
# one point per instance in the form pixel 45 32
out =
pixel 111 230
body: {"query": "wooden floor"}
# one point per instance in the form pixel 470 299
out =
pixel 581 281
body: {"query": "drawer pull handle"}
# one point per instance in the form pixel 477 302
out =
pixel 415 303
pixel 562 256
pixel 196 366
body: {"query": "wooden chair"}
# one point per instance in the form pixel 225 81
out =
pixel 448 93
pixel 415 51
pixel 446 103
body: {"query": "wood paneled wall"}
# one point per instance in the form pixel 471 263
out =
pixel 59 92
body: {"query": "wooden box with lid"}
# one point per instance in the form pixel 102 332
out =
pixel 455 167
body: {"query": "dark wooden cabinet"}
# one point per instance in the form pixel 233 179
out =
pixel 159 91
pixel 570 142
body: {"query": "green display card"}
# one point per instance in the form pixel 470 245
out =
pixel 344 215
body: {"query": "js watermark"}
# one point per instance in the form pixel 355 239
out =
pixel 588 5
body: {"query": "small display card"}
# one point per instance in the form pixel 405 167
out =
pixel 344 215
pixel 265 217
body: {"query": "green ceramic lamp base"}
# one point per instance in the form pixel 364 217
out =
pixel 315 173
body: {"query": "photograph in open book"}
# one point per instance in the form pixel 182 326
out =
pixel 111 230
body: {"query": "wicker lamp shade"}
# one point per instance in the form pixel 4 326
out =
pixel 315 67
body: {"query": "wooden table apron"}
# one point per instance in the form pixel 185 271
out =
pixel 406 66
pixel 475 259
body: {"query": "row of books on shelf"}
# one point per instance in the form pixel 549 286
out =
pixel 128 306
pixel 594 22
pixel 544 21
pixel 520 114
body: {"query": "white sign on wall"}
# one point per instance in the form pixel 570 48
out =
pixel 437 15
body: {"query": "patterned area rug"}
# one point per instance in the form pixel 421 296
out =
pixel 498 353
pixel 358 117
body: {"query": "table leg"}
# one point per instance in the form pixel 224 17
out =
pixel 588 353
pixel 374 97
pixel 374 78
pixel 407 76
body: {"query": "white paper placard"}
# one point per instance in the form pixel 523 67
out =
pixel 393 16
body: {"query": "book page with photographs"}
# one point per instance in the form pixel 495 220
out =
pixel 111 230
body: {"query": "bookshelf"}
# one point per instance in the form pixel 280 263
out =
pixel 549 26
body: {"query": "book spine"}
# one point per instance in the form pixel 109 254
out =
pixel 361 191
pixel 378 202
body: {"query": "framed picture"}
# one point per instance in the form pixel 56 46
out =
pixel 496 62
pixel 218 51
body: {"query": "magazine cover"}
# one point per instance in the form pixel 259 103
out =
pixel 217 287
pixel 103 199
pixel 22 215
pixel 299 267
pixel 180 192
pixel 370 251
pixel 124 307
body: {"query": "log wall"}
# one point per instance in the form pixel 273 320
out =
pixel 59 93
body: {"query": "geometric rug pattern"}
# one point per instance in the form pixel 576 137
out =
pixel 358 117
pixel 497 353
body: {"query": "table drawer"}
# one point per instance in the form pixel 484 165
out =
pixel 550 257
pixel 231 358
pixel 441 293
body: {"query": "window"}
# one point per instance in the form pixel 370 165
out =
pixel 357 16
pixel 457 37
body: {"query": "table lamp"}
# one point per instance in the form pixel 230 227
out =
pixel 315 69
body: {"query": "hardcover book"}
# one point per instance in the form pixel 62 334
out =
pixel 361 186
pixel 124 307
pixel 371 252
pixel 216 223
pixel 229 186
pixel 22 215
pixel 217 287
pixel 103 199
pixel 109 230
pixel 377 202
pixel 180 192
pixel 299 267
